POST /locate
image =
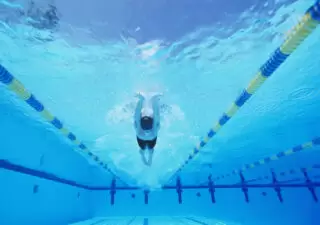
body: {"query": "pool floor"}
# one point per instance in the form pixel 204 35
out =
pixel 189 220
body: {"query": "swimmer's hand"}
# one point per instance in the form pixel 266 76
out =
pixel 156 95
pixel 140 95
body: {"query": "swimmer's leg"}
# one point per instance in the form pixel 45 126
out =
pixel 151 145
pixel 150 156
pixel 143 157
pixel 142 144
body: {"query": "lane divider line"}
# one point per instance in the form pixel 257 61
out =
pixel 19 89
pixel 298 34
pixel 275 157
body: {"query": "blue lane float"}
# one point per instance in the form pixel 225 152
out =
pixel 296 149
pixel 284 173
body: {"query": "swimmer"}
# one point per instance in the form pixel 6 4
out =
pixel 147 124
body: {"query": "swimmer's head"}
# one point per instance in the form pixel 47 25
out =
pixel 147 112
pixel 146 122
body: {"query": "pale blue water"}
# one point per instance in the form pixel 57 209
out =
pixel 85 68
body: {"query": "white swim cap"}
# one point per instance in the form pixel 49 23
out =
pixel 147 112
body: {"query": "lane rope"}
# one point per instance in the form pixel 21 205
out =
pixel 296 36
pixel 19 89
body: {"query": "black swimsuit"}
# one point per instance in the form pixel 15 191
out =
pixel 144 144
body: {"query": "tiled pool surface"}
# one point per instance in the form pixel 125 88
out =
pixel 190 220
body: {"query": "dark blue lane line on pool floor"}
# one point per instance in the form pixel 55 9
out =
pixel 197 221
pixel 4 164
pixel 102 221
pixel 145 221
pixel 131 221
pixel 99 222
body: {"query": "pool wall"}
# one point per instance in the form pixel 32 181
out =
pixel 30 200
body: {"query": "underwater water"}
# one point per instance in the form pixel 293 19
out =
pixel 85 60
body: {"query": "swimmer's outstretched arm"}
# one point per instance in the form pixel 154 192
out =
pixel 156 110
pixel 137 113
